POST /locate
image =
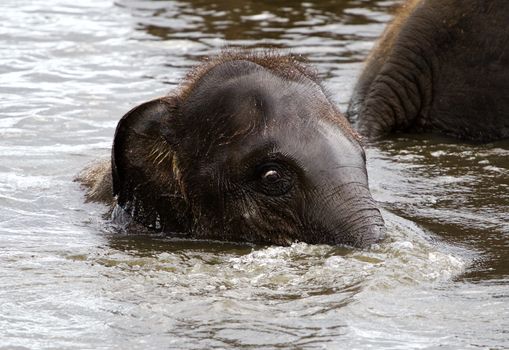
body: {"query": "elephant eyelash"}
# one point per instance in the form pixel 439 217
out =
pixel 291 159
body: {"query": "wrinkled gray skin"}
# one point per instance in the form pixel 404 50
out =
pixel 250 149
pixel 442 66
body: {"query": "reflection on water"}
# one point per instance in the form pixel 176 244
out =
pixel 458 191
pixel 70 69
pixel 276 23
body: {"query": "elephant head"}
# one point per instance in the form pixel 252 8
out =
pixel 249 148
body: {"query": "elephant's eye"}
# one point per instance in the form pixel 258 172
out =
pixel 273 179
pixel 271 176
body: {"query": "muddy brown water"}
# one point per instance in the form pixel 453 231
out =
pixel 70 69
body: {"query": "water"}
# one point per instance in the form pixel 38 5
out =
pixel 70 69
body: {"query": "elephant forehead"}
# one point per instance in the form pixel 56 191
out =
pixel 319 142
pixel 320 146
pixel 259 98
pixel 272 100
pixel 249 112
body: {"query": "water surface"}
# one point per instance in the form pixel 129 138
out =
pixel 71 69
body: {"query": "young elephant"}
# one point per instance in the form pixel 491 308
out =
pixel 249 148
pixel 441 66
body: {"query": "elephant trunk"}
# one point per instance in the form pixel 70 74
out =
pixel 347 214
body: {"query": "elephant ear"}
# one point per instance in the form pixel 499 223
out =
pixel 145 167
